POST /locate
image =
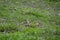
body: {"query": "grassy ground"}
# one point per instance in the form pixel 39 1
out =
pixel 29 20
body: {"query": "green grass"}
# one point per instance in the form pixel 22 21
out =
pixel 27 21
pixel 31 34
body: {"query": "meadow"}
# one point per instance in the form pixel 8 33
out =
pixel 29 20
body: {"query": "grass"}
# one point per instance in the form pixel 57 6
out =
pixel 26 21
pixel 31 34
